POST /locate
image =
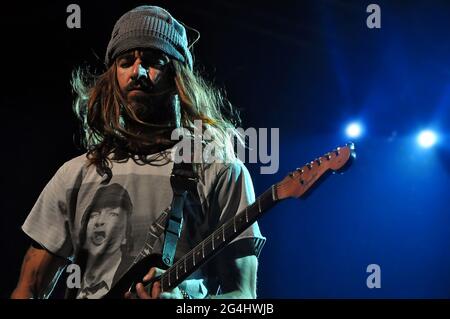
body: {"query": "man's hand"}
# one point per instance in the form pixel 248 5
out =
pixel 154 291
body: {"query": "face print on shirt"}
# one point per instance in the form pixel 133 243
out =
pixel 106 230
pixel 107 221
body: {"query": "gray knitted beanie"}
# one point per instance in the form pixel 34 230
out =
pixel 149 27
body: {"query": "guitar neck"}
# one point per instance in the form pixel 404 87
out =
pixel 218 240
pixel 293 185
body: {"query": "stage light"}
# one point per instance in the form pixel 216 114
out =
pixel 354 130
pixel 427 138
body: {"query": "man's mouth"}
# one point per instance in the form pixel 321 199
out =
pixel 139 93
pixel 138 89
pixel 98 237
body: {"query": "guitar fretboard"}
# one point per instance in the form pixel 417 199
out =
pixel 217 240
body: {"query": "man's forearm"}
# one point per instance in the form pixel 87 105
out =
pixel 238 278
pixel 38 269
pixel 21 293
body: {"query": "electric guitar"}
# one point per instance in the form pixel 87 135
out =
pixel 295 184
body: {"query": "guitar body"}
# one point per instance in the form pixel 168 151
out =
pixel 134 275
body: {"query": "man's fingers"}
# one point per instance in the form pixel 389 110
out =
pixel 156 286
pixel 156 290
pixel 153 272
pixel 141 292
pixel 127 295
pixel 150 274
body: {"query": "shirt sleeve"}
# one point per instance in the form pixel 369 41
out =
pixel 48 222
pixel 233 193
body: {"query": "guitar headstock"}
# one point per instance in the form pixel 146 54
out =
pixel 299 181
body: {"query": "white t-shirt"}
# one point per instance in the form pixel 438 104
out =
pixel 109 219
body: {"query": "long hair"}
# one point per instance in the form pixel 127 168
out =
pixel 109 124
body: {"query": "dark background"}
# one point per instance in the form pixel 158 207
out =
pixel 305 67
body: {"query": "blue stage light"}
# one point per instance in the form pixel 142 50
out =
pixel 427 138
pixel 354 130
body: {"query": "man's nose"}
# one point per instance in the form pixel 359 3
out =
pixel 139 72
pixel 154 75
pixel 99 223
pixel 100 220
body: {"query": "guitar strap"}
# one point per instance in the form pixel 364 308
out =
pixel 183 180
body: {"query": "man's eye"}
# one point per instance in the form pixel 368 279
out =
pixel 160 62
pixel 125 64
pixel 155 63
pixel 113 214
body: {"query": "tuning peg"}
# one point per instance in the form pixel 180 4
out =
pixel 309 165
pixel 300 170
pixel 318 161
pixel 328 156
pixel 336 151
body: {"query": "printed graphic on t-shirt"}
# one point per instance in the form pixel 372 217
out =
pixel 106 235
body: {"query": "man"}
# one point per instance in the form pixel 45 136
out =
pixel 128 115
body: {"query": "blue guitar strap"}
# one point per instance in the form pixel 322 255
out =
pixel 183 180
